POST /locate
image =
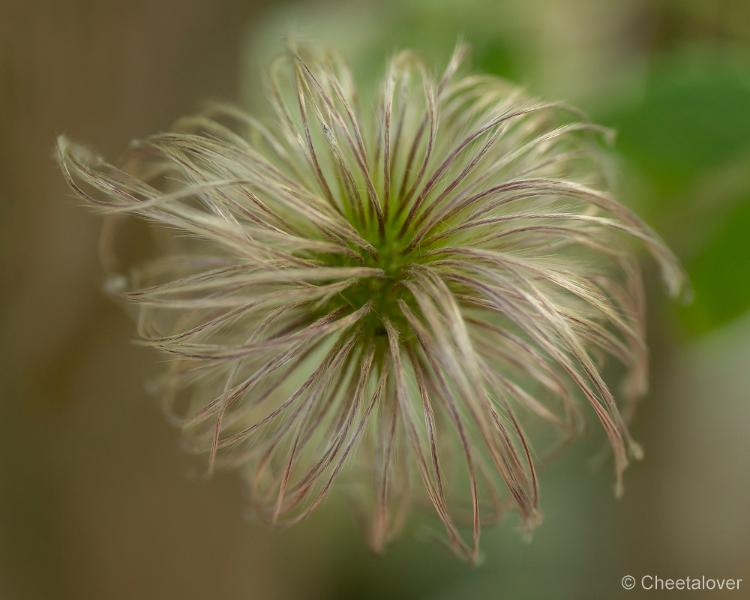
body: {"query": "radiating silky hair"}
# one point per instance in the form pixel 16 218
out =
pixel 395 291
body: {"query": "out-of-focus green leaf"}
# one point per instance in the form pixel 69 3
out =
pixel 693 116
pixel 720 273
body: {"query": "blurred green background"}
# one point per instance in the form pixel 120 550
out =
pixel 96 498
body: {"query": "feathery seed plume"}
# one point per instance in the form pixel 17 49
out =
pixel 393 290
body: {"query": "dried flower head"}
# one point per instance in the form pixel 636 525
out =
pixel 395 292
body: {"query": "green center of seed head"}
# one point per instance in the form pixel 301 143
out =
pixel 383 292
pixel 391 256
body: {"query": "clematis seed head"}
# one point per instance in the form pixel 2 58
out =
pixel 414 292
